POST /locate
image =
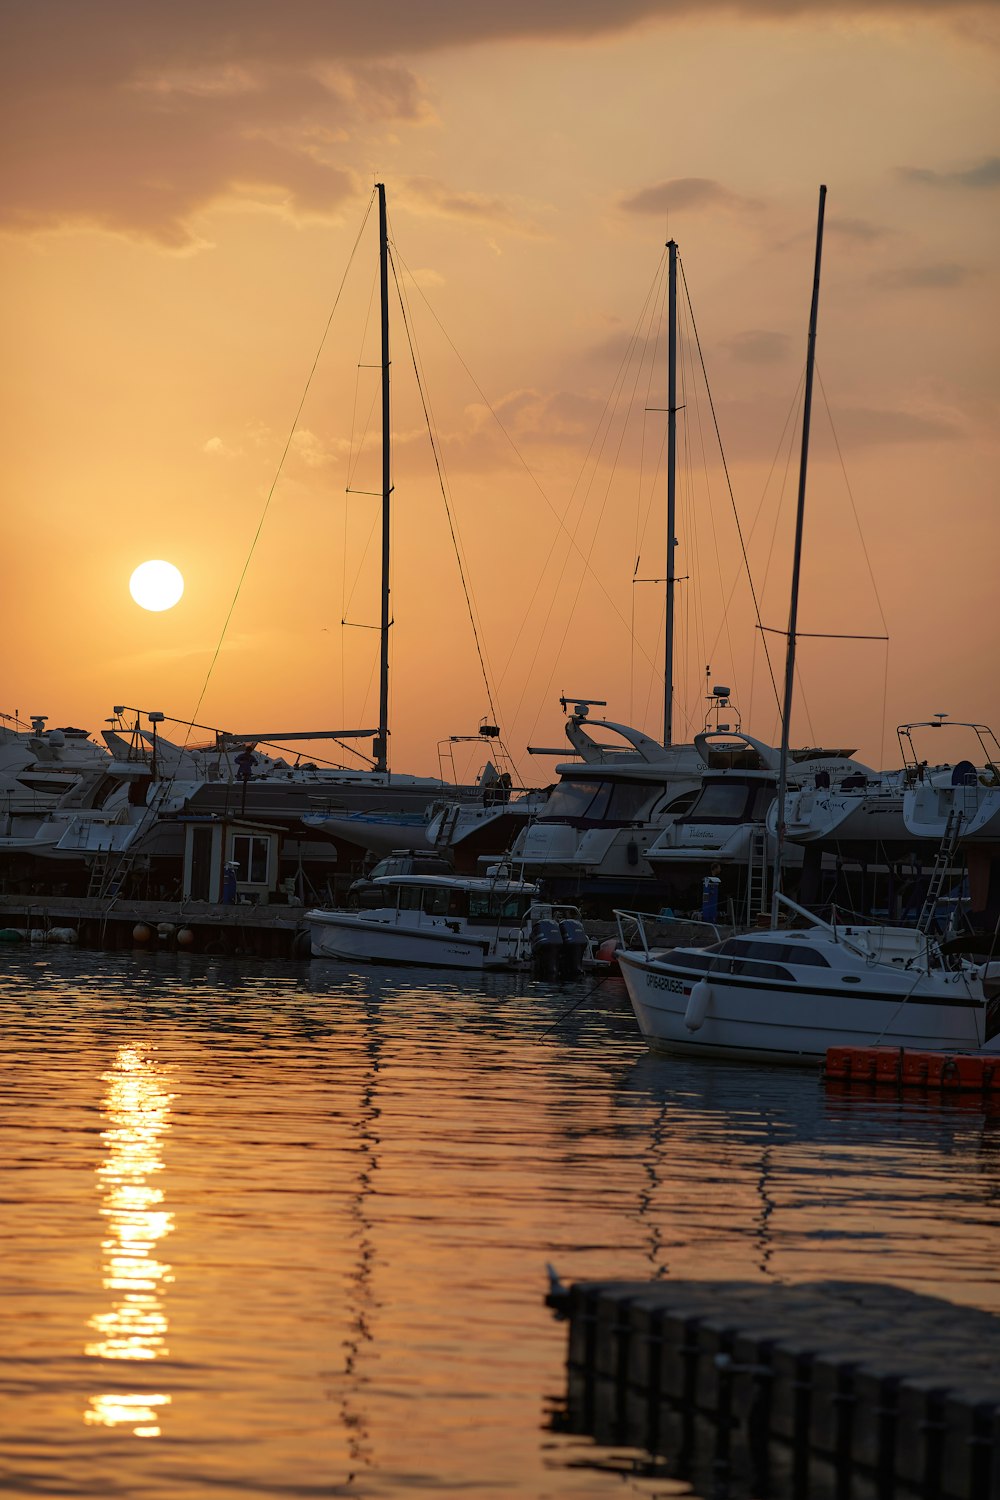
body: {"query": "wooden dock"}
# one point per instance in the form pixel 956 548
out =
pixel 829 1389
pixel 263 930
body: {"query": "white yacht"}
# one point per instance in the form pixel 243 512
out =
pixel 38 766
pixel 600 818
pixel 788 995
pixel 730 825
pixel 446 922
pixel 965 800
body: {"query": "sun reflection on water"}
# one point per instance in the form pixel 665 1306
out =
pixel 137 1107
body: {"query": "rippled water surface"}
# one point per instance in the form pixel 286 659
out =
pixel 283 1231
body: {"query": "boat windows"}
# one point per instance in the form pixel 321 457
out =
pixel 722 802
pixel 716 963
pixel 575 799
pixel 782 953
pixel 598 801
pixel 493 906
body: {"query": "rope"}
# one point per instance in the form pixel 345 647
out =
pixel 443 487
pixel 575 1006
pixel 725 469
pixel 281 463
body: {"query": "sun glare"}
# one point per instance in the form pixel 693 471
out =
pixel 156 585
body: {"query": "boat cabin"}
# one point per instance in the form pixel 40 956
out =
pixel 471 901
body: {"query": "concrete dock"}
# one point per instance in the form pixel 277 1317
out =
pixel 828 1389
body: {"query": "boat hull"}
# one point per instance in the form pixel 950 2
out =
pixel 758 1022
pixel 381 939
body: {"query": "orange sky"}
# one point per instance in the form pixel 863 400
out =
pixel 183 188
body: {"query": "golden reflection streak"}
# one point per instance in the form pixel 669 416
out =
pixel 138 1109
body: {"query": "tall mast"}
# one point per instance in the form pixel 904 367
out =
pixel 382 743
pixel 796 567
pixel 668 634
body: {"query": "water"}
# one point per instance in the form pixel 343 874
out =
pixel 282 1231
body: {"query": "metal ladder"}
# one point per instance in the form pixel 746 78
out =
pixel 756 875
pixel 942 865
pixel 98 872
pixel 448 822
pixel 108 872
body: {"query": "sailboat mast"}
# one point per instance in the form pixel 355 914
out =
pixel 382 743
pixel 668 634
pixel 793 610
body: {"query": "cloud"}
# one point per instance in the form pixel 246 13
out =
pixel 757 346
pixel 427 195
pixel 684 192
pixel 985 175
pixel 860 231
pixel 216 448
pixel 868 426
pixel 904 278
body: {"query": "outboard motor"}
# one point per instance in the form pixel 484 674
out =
pixel 546 948
pixel 575 944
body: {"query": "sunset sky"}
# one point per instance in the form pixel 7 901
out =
pixel 183 189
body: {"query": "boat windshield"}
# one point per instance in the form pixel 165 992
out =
pixel 453 901
pixel 726 801
pixel 598 801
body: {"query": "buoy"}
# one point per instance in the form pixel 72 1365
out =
pixel 62 935
pixel 11 935
pixel 607 953
pixel 185 938
pixel 697 1006
pixel 165 930
pixel 141 933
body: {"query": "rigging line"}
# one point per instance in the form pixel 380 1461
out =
pixel 639 533
pixel 603 431
pixel 461 551
pixel 514 448
pixel 441 482
pixel 885 697
pixel 600 517
pixel 854 509
pixel 724 624
pixel 777 517
pixel 725 469
pixel 281 462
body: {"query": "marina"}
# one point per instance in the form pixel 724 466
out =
pixel 507 1093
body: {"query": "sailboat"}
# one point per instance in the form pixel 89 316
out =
pixel 778 995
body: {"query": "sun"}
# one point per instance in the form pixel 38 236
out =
pixel 156 585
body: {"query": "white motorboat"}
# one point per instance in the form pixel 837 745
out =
pixel 788 995
pixel 445 922
pixel 731 822
pixel 606 809
pixel 38 766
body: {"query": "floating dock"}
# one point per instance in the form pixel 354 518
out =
pixel 907 1068
pixel 831 1389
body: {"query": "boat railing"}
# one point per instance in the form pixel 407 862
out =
pixel 654 930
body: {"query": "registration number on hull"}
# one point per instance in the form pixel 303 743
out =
pixel 672 986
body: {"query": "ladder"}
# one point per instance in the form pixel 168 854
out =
pixel 449 819
pixel 942 867
pixel 108 872
pixel 756 874
pixel 98 872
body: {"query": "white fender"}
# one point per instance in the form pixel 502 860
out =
pixel 697 1006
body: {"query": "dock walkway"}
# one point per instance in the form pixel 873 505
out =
pixel 832 1389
